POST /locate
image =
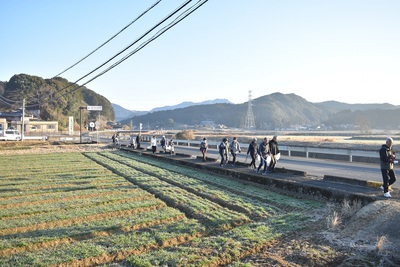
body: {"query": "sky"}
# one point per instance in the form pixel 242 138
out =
pixel 341 50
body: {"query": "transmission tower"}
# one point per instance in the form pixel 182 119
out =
pixel 250 116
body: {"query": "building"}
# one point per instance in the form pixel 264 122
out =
pixel 31 125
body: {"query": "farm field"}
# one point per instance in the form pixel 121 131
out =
pixel 117 209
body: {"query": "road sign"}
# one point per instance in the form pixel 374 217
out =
pixel 94 107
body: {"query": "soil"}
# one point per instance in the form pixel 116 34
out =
pixel 369 237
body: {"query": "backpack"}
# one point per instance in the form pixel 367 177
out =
pixel 203 145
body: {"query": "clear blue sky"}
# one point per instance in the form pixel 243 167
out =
pixel 343 50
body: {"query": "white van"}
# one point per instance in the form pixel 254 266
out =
pixel 10 134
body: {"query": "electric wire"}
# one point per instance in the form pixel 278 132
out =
pixel 118 54
pixel 115 35
pixel 158 34
pixel 136 19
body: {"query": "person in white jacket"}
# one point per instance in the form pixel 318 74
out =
pixel 153 143
pixel 234 147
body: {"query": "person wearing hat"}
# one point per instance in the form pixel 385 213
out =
pixel 203 148
pixel 253 151
pixel 223 151
pixel 387 157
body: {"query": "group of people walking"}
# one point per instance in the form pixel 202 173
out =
pixel 267 152
pixel 166 145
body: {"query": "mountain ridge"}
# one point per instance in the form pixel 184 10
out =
pixel 279 111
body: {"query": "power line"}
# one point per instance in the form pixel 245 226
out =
pixel 5 100
pixel 115 35
pixel 158 34
pixel 199 3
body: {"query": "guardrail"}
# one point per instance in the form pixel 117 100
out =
pixel 289 150
pixel 43 138
pixel 341 154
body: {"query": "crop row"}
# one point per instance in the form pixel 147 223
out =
pixel 50 220
pixel 232 185
pixel 202 180
pixel 142 213
pixel 251 207
pixel 211 213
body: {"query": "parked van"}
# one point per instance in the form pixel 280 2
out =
pixel 10 134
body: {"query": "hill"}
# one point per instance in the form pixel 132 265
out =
pixel 53 99
pixel 123 113
pixel 190 103
pixel 270 112
pixel 279 111
pixel 334 106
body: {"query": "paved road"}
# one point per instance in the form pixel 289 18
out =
pixel 313 167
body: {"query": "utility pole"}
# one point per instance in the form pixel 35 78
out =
pixel 80 124
pixel 250 123
pixel 23 121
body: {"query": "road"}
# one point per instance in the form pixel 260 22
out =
pixel 313 167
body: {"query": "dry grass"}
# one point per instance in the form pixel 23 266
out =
pixel 333 220
pixel 348 208
pixel 380 243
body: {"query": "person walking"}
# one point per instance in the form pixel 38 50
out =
pixel 387 157
pixel 234 147
pixel 153 143
pixel 138 140
pixel 113 137
pixel 171 146
pixel 223 151
pixel 204 148
pixel 263 151
pixel 163 143
pixel 252 150
pixel 132 142
pixel 274 151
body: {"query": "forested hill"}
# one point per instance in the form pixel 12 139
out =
pixel 56 98
pixel 276 111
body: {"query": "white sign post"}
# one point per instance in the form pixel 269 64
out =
pixel 99 108
pixel 71 125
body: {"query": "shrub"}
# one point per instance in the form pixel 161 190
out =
pixel 186 134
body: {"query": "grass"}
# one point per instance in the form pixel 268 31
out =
pixel 106 208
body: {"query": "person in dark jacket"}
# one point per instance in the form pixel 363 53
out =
pixel 253 151
pixel 163 143
pixel 223 151
pixel 263 151
pixel 274 151
pixel 138 140
pixel 387 157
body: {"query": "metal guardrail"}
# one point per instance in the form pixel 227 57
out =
pixel 307 150
pixel 350 153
